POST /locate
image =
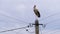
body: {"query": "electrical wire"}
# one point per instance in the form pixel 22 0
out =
pixel 21 28
pixel 50 16
pixel 52 21
pixel 14 18
pixel 26 22
pixel 13 29
pixel 49 23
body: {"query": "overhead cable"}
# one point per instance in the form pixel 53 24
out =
pixel 15 18
pixel 50 16
pixel 13 29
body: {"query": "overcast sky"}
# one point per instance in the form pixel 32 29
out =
pixel 19 13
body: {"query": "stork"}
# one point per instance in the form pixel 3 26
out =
pixel 36 11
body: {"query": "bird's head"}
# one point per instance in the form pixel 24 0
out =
pixel 34 6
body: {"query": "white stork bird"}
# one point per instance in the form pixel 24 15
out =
pixel 36 11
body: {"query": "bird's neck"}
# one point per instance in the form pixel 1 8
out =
pixel 35 8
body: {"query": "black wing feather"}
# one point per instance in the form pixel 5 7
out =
pixel 37 13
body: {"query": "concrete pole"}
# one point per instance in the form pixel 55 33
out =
pixel 36 26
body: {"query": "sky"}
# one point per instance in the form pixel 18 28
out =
pixel 19 13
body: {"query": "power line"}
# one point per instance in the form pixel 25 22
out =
pixel 49 16
pixel 13 29
pixel 14 18
pixel 26 22
pixel 53 21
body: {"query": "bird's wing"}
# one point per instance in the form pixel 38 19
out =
pixel 37 12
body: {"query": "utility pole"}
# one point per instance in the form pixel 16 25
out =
pixel 37 26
